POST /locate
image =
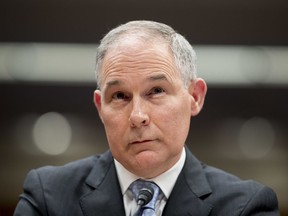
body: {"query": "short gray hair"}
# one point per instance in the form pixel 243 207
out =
pixel 183 52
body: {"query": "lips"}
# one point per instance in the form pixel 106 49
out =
pixel 140 141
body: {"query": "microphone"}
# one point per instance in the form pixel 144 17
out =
pixel 145 195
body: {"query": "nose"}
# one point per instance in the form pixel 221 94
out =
pixel 138 116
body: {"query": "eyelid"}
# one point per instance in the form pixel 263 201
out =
pixel 124 95
pixel 158 87
pixel 152 90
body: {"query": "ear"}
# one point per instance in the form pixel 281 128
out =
pixel 97 101
pixel 197 90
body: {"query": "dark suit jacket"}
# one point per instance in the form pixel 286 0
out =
pixel 90 187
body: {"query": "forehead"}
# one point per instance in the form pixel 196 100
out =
pixel 135 44
pixel 134 52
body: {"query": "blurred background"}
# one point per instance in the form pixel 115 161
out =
pixel 47 116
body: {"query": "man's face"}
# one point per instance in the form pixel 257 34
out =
pixel 144 107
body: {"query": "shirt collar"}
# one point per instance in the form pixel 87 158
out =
pixel 126 178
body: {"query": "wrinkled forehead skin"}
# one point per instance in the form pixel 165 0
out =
pixel 134 45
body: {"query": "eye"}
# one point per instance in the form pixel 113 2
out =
pixel 119 96
pixel 156 90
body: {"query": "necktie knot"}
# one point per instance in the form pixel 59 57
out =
pixel 140 186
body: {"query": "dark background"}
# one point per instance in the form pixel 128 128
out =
pixel 258 22
pixel 222 22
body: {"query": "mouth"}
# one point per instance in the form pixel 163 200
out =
pixel 140 142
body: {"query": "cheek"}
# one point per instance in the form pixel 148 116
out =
pixel 112 116
pixel 176 121
pixel 178 125
pixel 114 123
pixel 178 111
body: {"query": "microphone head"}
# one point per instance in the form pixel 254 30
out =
pixel 145 195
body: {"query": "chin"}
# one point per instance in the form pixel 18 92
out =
pixel 147 165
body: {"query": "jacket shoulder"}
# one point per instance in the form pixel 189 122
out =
pixel 242 197
pixel 47 189
pixel 77 169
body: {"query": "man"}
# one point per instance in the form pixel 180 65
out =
pixel 147 93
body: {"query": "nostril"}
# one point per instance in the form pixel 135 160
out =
pixel 138 121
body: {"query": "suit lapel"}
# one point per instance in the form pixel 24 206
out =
pixel 190 191
pixel 103 196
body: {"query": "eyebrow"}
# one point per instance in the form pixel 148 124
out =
pixel 151 78
pixel 158 77
pixel 112 83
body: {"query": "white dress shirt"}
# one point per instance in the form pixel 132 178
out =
pixel 165 181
